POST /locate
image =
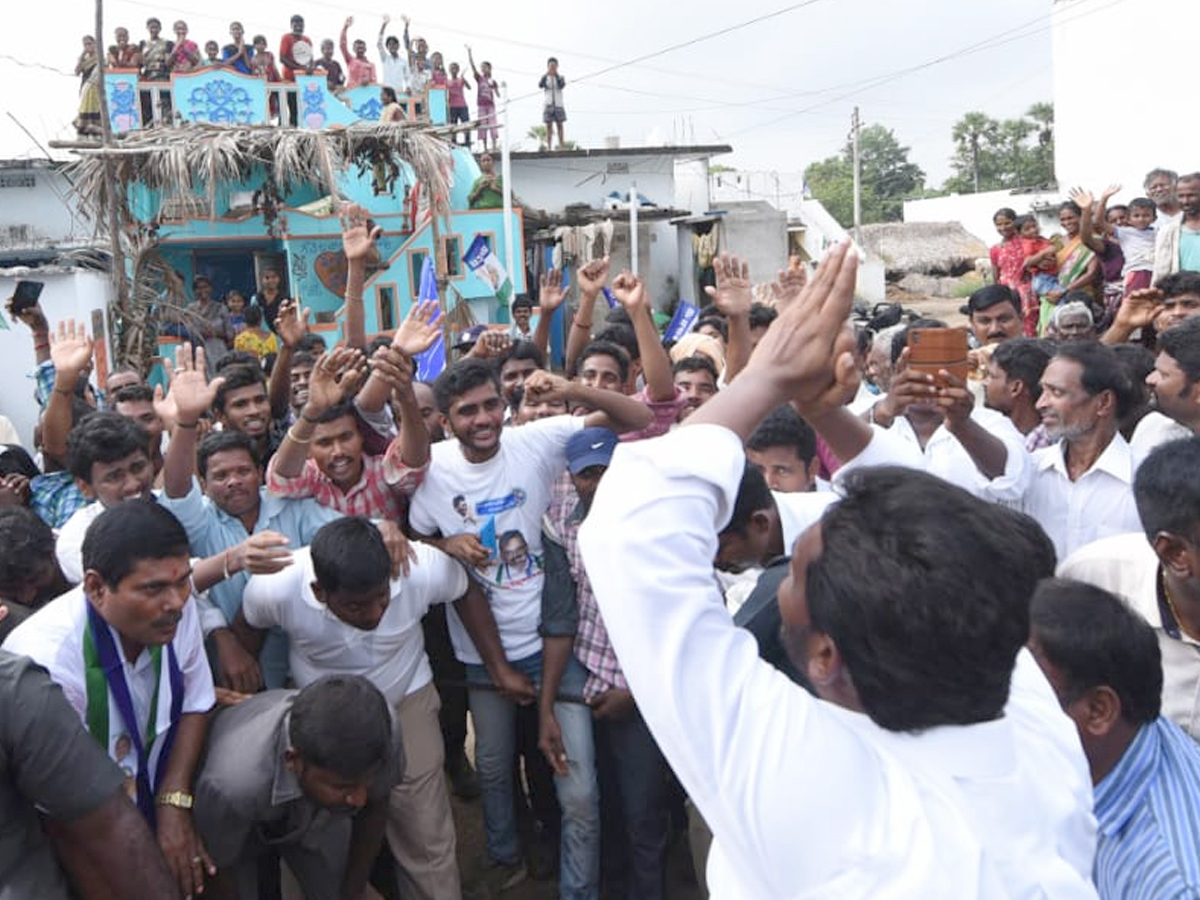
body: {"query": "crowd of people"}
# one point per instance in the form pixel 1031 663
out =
pixel 406 66
pixel 890 631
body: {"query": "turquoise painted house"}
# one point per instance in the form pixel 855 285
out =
pixel 227 175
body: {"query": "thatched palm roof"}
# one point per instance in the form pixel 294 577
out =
pixel 177 160
pixel 928 248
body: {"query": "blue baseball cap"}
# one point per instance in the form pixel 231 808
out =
pixel 590 447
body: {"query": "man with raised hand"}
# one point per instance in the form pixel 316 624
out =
pixel 918 772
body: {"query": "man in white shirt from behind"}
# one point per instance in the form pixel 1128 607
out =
pixel 919 773
pixel 343 615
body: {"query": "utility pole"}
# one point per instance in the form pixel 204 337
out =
pixel 855 126
pixel 121 352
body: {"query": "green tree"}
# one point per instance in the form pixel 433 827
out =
pixel 1013 154
pixel 1042 117
pixel 888 177
pixel 975 136
pixel 538 133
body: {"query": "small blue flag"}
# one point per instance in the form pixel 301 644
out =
pixel 430 363
pixel 608 295
pixel 681 323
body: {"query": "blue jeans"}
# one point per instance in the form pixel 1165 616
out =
pixel 578 794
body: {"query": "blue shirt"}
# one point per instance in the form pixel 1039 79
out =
pixel 211 530
pixel 1148 810
pixel 1189 250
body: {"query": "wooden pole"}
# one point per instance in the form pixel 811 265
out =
pixel 110 188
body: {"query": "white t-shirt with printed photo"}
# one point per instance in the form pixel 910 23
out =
pixel 502 500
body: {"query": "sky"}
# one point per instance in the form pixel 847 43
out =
pixel 777 80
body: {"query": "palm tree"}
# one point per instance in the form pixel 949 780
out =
pixel 1043 115
pixel 971 132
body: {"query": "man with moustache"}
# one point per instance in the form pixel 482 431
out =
pixel 1177 244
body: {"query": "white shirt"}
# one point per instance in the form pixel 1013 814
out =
pixel 1152 430
pixel 392 656
pixel 508 493
pixel 806 799
pixel 1127 566
pixel 69 545
pixel 799 510
pixel 1097 504
pixel 394 69
pixel 946 458
pixel 53 638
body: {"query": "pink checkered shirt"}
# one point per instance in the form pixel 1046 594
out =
pixel 381 493
pixel 666 413
pixel 592 646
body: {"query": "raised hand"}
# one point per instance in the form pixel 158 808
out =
pixel 165 409
pixel 418 332
pixel 807 355
pixel 630 292
pixel 393 367
pixel 71 350
pixel 1111 191
pixel 30 315
pixel 492 345
pixel 292 323
pixel 544 387
pixel 789 284
pixel 349 21
pixel 14 490
pixel 190 388
pixel 358 241
pixel 551 292
pixel 335 378
pixel 734 292
pixel 1140 308
pixel 593 276
pixel 1082 197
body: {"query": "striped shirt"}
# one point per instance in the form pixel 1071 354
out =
pixel 1149 816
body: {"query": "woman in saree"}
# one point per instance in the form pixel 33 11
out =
pixel 87 123
pixel 1077 263
pixel 1008 267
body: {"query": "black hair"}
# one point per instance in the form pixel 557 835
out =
pixel 930 631
pixel 337 411
pixel 864 337
pixel 993 294
pixel 552 60
pixel 237 358
pixel 523 301
pixel 761 315
pixel 1102 370
pixel 1178 283
pixel 103 437
pixel 312 343
pixel 1070 206
pixel 1021 221
pixel 349 554
pixel 697 363
pixel 623 336
pixel 753 496
pixel 221 441
pixel 1167 490
pixel 1093 639
pixel 134 393
pixel 900 338
pixel 238 376
pixel 1121 207
pixel 303 359
pixel 524 350
pixel 252 315
pixel 378 343
pixel 28 544
pixel 126 533
pixel 1182 343
pixel 784 427
pixel 463 376
pixel 342 723
pixel 715 322
pixel 1143 203
pixel 604 348
pixel 1006 212
pixel 1138 363
pixel 618 315
pixel 388 94
pixel 15 460
pixel 1024 360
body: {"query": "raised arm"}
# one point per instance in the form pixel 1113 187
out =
pixel 342 43
pixel 1087 232
pixel 291 325
pixel 631 293
pixel 551 294
pixel 471 61
pixel 591 279
pixel 733 298
pixel 335 377
pixel 610 409
pixel 71 352
pixel 358 243
pixel 194 395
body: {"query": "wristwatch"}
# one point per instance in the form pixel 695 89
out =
pixel 178 799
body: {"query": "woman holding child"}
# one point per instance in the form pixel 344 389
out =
pixel 1077 263
pixel 1008 266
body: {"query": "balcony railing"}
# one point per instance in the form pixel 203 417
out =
pixel 226 97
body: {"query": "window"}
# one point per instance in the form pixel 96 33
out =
pixel 416 262
pixel 387 308
pixel 452 247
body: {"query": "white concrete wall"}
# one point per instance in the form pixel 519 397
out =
pixel 1113 125
pixel 68 294
pixel 553 183
pixel 36 206
pixel 692 185
pixel 975 211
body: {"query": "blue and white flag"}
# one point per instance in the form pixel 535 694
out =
pixel 430 363
pixel 681 323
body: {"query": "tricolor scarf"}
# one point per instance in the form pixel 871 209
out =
pixel 111 718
